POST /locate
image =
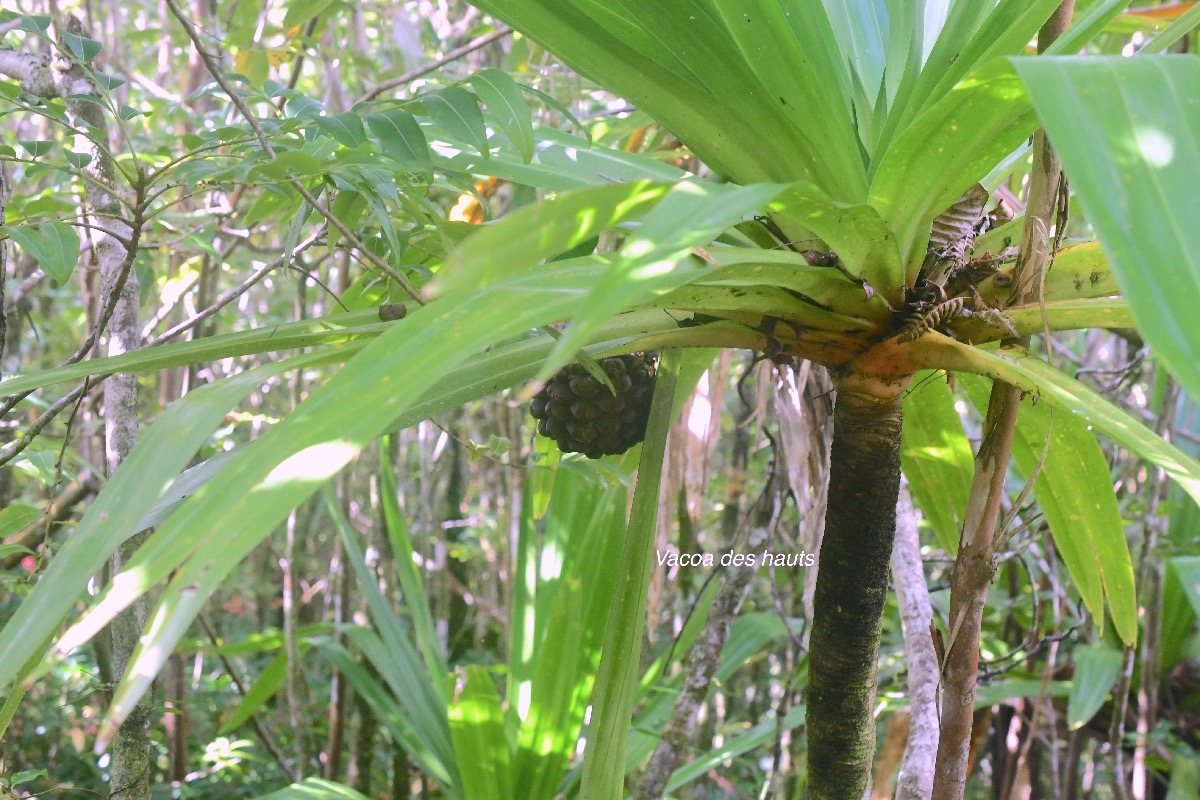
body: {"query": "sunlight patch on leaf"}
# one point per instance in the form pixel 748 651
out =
pixel 1155 145
pixel 312 463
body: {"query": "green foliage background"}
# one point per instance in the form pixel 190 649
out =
pixel 851 126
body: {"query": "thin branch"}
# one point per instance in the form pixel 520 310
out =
pixel 973 571
pixel 58 510
pixel 100 198
pixel 14 448
pixel 31 282
pixel 1149 586
pixel 298 64
pixel 82 175
pixel 433 66
pixel 230 295
pixel 164 310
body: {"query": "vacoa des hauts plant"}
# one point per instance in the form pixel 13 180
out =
pixel 841 141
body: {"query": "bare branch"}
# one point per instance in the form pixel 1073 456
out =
pixel 31 71
pixel 433 66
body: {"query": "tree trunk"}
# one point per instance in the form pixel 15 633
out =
pixel 915 778
pixel 852 584
pixel 114 245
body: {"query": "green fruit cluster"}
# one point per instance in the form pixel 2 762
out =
pixel 580 413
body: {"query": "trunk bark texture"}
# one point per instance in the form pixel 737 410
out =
pixel 852 584
pixel 915 779
pixel 114 245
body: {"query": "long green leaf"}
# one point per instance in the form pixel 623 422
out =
pixel 1180 27
pixel 906 48
pixel 273 676
pixel 559 625
pixel 1128 134
pixel 1029 687
pixel 859 236
pixel 484 374
pixel 407 574
pixel 689 215
pixel 616 46
pixel 972 35
pixel 616 683
pixel 561 162
pixel 477 727
pixel 1008 29
pixel 954 25
pixel 758 91
pixel 295 457
pixel 163 451
pixel 335 329
pixel 945 150
pixel 423 691
pixel 1017 366
pixel 426 727
pixel 830 290
pixel 266 684
pixel 791 50
pixel 761 734
pixel 544 230
pixel 16 693
pixel 382 702
pixel 755 304
pixel 315 789
pixel 748 636
pixel 1088 28
pixel 861 28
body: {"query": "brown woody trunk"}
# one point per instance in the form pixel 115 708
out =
pixel 852 584
pixel 974 569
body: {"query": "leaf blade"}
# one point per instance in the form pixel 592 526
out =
pixel 507 103
pixel 1017 366
pixel 55 246
pixel 402 138
pixel 1129 155
pixel 936 457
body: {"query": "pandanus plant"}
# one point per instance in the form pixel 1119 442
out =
pixel 836 135
pixel 875 121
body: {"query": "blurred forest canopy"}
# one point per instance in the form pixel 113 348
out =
pixel 283 281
